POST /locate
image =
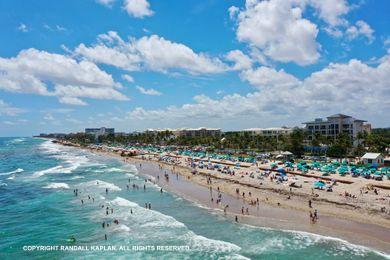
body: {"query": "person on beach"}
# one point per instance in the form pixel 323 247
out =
pixel 144 187
pixel 105 236
pixel 150 206
pixel 82 202
pixel 315 214
pixel 131 211
pixel 236 219
pixel 127 186
pixel 146 205
pixel 161 190
pixel 112 211
pixel 309 203
pixel 242 210
pixel 93 200
pixel 106 190
pixel 103 224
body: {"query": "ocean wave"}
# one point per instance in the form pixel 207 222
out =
pixel 303 239
pixel 17 140
pixel 204 244
pixel 119 201
pixel 99 185
pixel 57 185
pixel 77 177
pixel 18 170
pixel 12 177
pixel 146 221
pixel 55 169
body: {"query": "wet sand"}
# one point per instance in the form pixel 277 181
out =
pixel 264 215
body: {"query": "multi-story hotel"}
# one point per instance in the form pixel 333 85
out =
pixel 189 132
pixel 335 125
pixel 99 131
pixel 269 132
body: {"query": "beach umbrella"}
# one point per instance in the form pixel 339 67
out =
pixel 319 184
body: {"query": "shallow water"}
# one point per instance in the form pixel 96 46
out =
pixel 38 207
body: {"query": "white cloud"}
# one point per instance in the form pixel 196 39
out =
pixel 361 28
pixel 15 122
pixel 150 91
pixel 8 110
pixel 137 8
pixel 241 61
pixel 23 28
pixel 331 11
pixel 277 28
pixel 149 53
pixel 353 88
pixel 106 2
pixel 38 72
pixel 233 11
pixel 268 77
pixel 72 101
pixel 128 78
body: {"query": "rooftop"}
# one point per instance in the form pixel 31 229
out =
pixel 371 156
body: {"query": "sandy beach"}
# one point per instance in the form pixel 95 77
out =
pixel 265 203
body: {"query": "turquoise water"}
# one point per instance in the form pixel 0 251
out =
pixel 38 207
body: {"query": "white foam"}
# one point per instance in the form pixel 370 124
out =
pixel 57 185
pixel 77 177
pixel 18 170
pixel 123 202
pixel 312 238
pixel 17 140
pixel 12 177
pixel 55 169
pixel 100 185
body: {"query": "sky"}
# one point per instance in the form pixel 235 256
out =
pixel 231 64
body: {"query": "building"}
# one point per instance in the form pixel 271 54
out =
pixel 335 125
pixel 99 131
pixel 197 132
pixel 187 132
pixel 373 159
pixel 269 132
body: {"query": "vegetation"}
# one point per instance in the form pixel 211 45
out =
pixel 342 146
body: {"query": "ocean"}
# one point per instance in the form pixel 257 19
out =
pixel 38 207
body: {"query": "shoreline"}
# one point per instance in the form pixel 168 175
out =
pixel 265 214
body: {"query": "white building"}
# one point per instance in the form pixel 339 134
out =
pixel 99 131
pixel 188 132
pixel 373 159
pixel 197 132
pixel 335 125
pixel 269 132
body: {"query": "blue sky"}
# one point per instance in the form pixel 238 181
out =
pixel 137 64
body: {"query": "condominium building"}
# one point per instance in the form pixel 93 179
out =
pixel 269 132
pixel 99 131
pixel 197 132
pixel 335 125
pixel 188 132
